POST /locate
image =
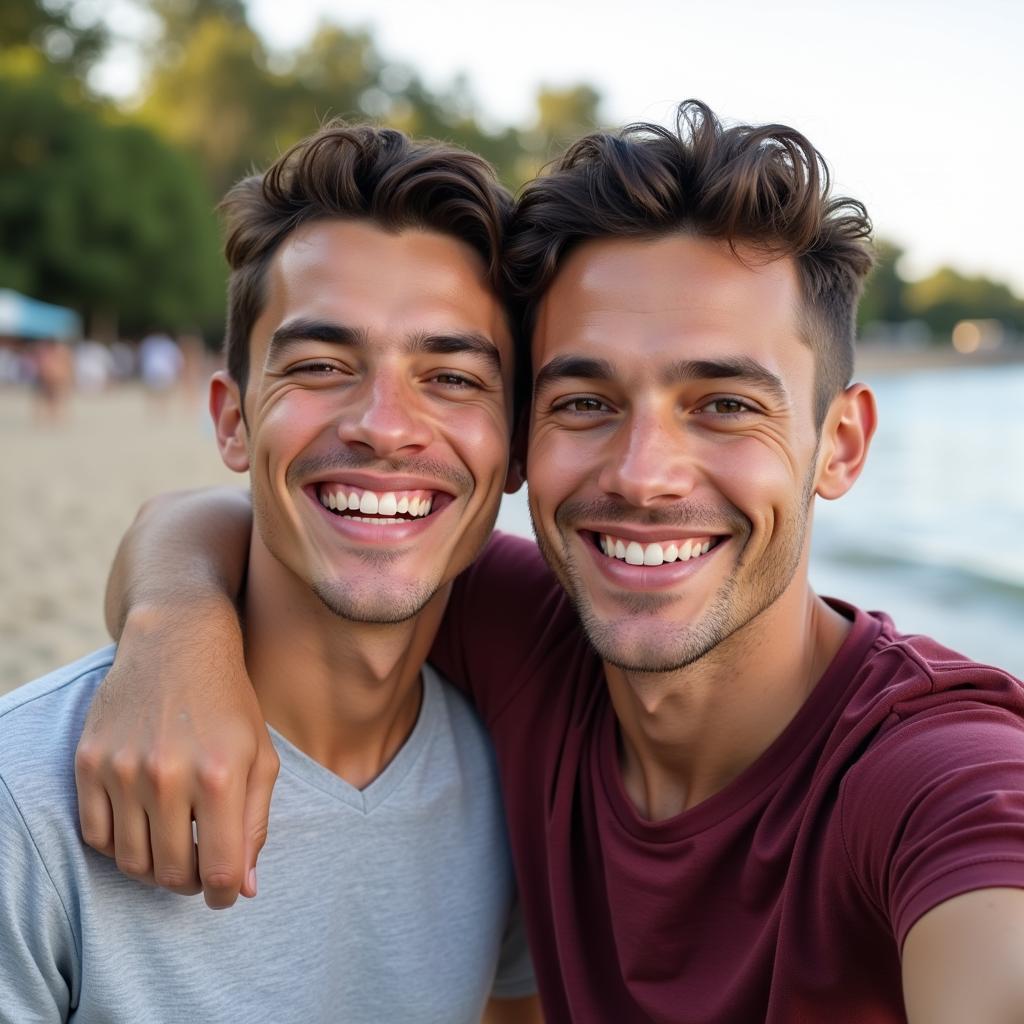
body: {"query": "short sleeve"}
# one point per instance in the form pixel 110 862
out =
pixel 514 976
pixel 502 610
pixel 36 966
pixel 936 809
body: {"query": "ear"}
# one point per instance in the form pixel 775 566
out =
pixel 229 422
pixel 845 438
pixel 517 460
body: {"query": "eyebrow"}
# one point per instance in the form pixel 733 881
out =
pixel 571 368
pixel 743 369
pixel 446 343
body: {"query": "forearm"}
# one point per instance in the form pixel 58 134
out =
pixel 187 549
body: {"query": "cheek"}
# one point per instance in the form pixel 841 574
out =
pixel 289 425
pixel 480 436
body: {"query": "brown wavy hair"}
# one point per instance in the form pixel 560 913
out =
pixel 765 188
pixel 358 172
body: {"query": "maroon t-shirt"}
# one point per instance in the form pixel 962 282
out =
pixel 786 896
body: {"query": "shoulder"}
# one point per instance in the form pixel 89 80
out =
pixel 40 723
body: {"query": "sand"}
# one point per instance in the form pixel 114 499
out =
pixel 67 494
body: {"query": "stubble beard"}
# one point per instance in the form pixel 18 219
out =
pixel 639 646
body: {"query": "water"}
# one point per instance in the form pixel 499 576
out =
pixel 933 532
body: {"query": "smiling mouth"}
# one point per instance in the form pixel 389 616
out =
pixel 661 552
pixel 385 508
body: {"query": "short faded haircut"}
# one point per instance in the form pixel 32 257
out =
pixel 761 188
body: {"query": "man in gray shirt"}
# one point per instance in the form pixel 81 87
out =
pixel 368 395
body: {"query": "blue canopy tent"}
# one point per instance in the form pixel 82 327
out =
pixel 22 317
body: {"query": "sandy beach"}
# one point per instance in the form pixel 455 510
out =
pixel 68 493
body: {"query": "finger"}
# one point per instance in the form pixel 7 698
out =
pixel 256 813
pixel 131 836
pixel 219 821
pixel 174 852
pixel 94 814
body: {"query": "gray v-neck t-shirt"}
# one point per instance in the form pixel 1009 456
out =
pixel 391 903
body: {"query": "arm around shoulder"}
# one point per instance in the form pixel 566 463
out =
pixel 175 731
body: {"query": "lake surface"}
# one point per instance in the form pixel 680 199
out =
pixel 933 532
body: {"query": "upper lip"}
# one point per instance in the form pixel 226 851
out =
pixel 647 534
pixel 381 484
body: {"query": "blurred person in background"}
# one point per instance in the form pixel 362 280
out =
pixel 160 366
pixel 729 799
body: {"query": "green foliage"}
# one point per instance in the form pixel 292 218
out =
pixel 57 29
pixel 947 296
pixel 97 213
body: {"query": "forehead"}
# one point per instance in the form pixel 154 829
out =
pixel 387 284
pixel 674 297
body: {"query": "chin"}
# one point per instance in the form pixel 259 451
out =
pixel 374 603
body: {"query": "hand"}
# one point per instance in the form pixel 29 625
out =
pixel 175 734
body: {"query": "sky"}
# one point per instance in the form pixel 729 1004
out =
pixel 917 106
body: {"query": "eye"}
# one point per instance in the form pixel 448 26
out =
pixel 453 380
pixel 316 367
pixel 726 407
pixel 582 405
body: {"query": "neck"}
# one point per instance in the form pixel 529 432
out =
pixel 687 734
pixel 345 693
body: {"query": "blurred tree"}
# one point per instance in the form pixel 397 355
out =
pixel 884 299
pixel 212 95
pixel 68 33
pixel 99 214
pixel 562 116
pixel 944 298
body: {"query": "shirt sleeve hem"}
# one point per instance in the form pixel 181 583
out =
pixel 987 873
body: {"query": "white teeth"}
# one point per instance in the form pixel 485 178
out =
pixel 652 555
pixel 634 553
pixel 370 503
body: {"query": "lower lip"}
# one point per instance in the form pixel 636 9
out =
pixel 648 577
pixel 378 534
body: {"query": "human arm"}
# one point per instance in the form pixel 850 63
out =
pixel 525 1010
pixel 175 731
pixel 964 960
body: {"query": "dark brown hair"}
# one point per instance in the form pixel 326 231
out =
pixel 359 172
pixel 765 188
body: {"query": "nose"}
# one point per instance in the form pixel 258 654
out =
pixel 648 464
pixel 385 419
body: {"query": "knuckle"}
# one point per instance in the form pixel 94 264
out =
pixel 88 759
pixel 258 834
pixel 222 877
pixel 214 776
pixel 99 840
pixel 161 772
pixel 133 866
pixel 168 877
pixel 124 767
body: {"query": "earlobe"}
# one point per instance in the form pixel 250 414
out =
pixel 516 476
pixel 846 437
pixel 228 422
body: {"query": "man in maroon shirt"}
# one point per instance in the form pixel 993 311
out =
pixel 729 800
